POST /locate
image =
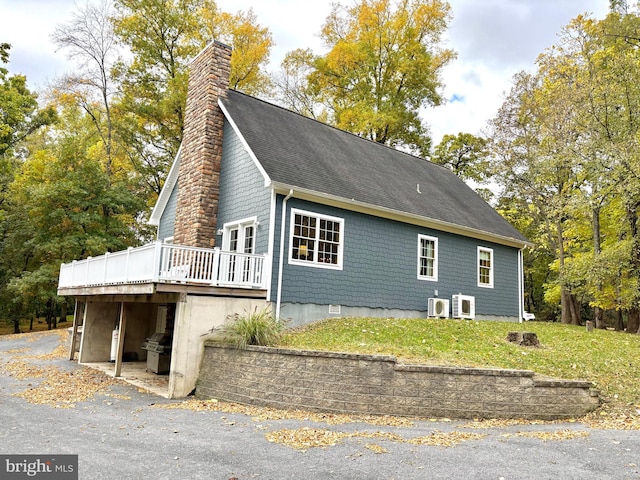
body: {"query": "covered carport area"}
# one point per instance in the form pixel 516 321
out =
pixel 118 320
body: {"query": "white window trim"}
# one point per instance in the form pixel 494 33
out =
pixel 330 266
pixel 240 225
pixel 433 278
pixel 491 269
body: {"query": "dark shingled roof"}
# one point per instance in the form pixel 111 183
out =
pixel 300 152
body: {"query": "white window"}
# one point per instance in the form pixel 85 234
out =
pixel 485 267
pixel 427 258
pixel 316 240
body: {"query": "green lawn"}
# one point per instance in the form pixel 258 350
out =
pixel 609 359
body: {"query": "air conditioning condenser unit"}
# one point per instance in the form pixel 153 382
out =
pixel 438 307
pixel 463 306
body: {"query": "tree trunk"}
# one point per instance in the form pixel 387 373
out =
pixel 598 317
pixel 632 205
pixel 63 312
pixel 565 314
pixel 16 324
pixel 49 311
pixel 529 301
pixel 565 309
pixel 575 317
pixel 31 324
pixel 633 323
pixel 598 314
pixel 619 326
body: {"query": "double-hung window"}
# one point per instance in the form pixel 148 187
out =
pixel 485 267
pixel 316 240
pixel 427 258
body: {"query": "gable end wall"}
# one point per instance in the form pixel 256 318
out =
pixel 242 190
pixel 168 219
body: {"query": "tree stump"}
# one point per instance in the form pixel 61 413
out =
pixel 525 339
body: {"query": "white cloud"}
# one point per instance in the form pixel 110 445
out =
pixel 293 23
pixel 27 25
pixel 494 40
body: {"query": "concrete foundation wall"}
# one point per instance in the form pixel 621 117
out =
pixel 195 318
pixel 298 314
pixel 99 322
pixel 141 322
pixel 366 384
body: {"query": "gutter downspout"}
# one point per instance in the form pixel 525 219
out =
pixel 520 285
pixel 283 222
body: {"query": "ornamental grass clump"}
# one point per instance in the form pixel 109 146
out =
pixel 257 327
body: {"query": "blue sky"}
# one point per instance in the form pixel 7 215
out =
pixel 494 39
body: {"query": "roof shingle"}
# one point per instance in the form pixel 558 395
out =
pixel 303 153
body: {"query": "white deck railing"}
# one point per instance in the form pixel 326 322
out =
pixel 167 263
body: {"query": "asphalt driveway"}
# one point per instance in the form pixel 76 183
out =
pixel 123 433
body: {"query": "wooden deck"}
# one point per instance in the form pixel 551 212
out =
pixel 162 263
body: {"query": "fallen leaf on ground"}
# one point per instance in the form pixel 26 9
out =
pixel 21 370
pixel 504 422
pixel 449 439
pixel 556 435
pixel 63 389
pixel 376 448
pixel 118 396
pixel 306 437
pixel 61 351
pixel 612 418
pixel 14 351
pixel 262 414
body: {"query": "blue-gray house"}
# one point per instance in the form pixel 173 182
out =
pixel 352 227
pixel 264 206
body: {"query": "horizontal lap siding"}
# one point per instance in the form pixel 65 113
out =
pixel 242 190
pixel 242 194
pixel 380 267
pixel 168 219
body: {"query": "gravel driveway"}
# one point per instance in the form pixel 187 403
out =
pixel 120 432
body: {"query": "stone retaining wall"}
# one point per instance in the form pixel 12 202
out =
pixel 378 385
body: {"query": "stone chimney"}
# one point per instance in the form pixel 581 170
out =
pixel 201 151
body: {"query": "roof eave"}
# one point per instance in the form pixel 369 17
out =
pixel 165 193
pixel 245 144
pixel 384 212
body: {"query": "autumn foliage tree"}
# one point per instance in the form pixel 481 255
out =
pixel 566 139
pixel 163 36
pixel 20 116
pixel 85 186
pixel 251 43
pixel 467 156
pixel 70 204
pixel 383 65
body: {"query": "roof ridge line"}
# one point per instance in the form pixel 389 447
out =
pixel 281 107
